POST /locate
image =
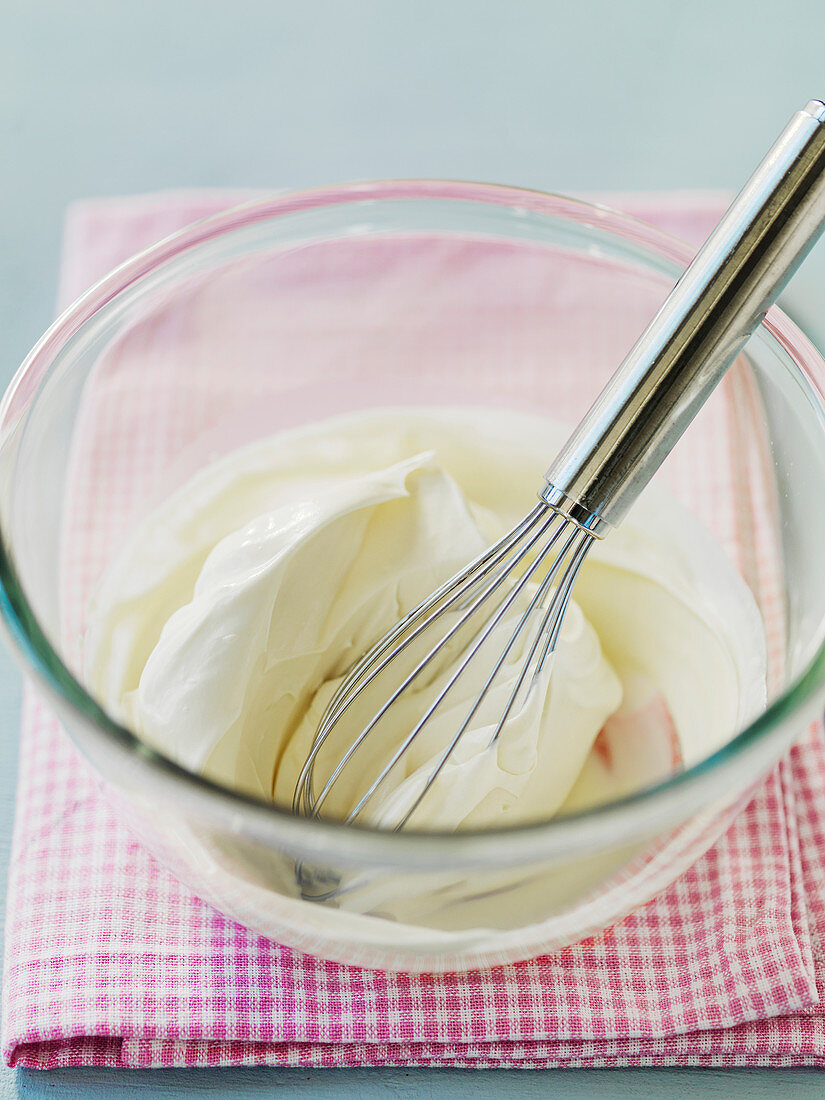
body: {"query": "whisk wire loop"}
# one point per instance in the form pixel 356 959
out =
pixel 425 662
pixel 408 629
pixel 541 532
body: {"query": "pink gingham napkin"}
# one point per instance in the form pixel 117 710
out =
pixel 111 961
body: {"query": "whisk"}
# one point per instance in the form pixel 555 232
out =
pixel 529 574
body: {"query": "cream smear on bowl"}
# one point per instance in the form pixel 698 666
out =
pixel 226 622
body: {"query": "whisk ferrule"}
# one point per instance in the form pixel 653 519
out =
pixel 571 510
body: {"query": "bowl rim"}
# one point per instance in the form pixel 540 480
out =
pixel 264 819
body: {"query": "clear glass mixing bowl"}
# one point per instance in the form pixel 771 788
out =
pixel 99 426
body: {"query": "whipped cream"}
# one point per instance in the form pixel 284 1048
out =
pixel 227 621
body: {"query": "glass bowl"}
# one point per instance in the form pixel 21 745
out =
pixel 284 311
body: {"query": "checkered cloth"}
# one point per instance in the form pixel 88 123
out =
pixel 111 961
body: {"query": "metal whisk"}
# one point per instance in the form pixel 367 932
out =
pixel 527 577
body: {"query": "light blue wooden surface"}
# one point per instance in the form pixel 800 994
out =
pixel 105 97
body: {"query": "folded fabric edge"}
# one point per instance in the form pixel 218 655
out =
pixel 136 1054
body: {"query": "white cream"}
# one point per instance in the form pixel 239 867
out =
pixel 225 624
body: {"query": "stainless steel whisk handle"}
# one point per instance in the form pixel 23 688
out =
pixel 697 333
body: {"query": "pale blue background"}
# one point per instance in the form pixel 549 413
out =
pixel 103 97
